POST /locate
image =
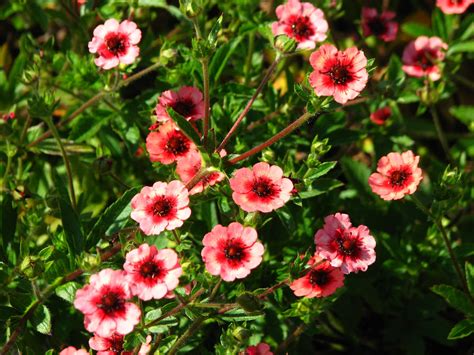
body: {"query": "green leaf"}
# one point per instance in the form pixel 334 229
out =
pixel 68 291
pixel 456 298
pixel 320 187
pixel 462 329
pixel 41 320
pixel 69 218
pixel 212 37
pixel 438 24
pixel 463 113
pixel 415 29
pixel 110 217
pixel 320 170
pixel 152 315
pixel 221 57
pixel 185 126
pixel 470 277
pixel 395 74
pixel 239 315
pixel 461 47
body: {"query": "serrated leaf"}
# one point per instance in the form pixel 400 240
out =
pixel 462 329
pixel 240 315
pixel 41 320
pixel 68 291
pixel 212 37
pixel 455 298
pixel 320 170
pixel 110 216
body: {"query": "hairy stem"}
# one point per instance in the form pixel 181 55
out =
pixel 283 133
pixel 295 334
pixel 195 325
pixel 249 103
pixel 67 163
pixel 440 133
pixel 444 234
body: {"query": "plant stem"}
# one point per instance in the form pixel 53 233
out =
pixel 215 290
pixel 67 163
pixel 195 325
pixel 439 131
pixel 248 60
pixel 201 174
pixel 176 237
pixel 97 97
pixel 250 102
pixel 207 98
pixel 291 338
pixel 283 133
pixel 442 230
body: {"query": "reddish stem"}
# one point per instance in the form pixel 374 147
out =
pixel 250 103
pixel 283 133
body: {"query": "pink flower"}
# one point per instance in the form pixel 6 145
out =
pixel 111 345
pixel 104 304
pixel 188 166
pixel 381 25
pixel 115 43
pixel 422 56
pixel 397 175
pixel 454 6
pixel 168 143
pixel 321 281
pixel 350 248
pixel 259 349
pixel 339 74
pixel 232 251
pixel 151 272
pixel 161 206
pixel 187 101
pixel 262 188
pixel 71 350
pixel 380 116
pixel 301 21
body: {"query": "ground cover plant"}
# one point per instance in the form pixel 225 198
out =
pixel 236 177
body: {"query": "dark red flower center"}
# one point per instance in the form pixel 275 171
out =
pixel 116 43
pixel 339 74
pixel 264 187
pixel 318 277
pixel 116 344
pixel 184 107
pixel 178 144
pixel 426 58
pixel 234 252
pixel 301 28
pixel 150 270
pixel 399 177
pixel 346 246
pixel 111 302
pixel 377 26
pixel 162 206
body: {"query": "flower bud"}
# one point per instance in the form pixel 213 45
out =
pixel 285 44
pixel 249 302
pixel 31 266
pixel 190 8
pixel 241 334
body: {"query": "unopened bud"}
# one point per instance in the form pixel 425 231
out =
pixel 285 44
pixel 31 267
pixel 249 302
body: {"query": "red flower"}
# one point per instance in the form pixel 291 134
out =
pixel 151 272
pixel 262 188
pixel 422 56
pixel 380 116
pixel 104 304
pixel 71 350
pixel 115 43
pixel 259 349
pixel 168 144
pixel 454 6
pixel 231 252
pixel 321 281
pixel 339 74
pixel 187 101
pixel 381 25
pixel 344 246
pixel 301 21
pixel 397 175
pixel 161 206
pixel 113 345
pixel 189 166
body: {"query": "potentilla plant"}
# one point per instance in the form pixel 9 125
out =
pixel 236 177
